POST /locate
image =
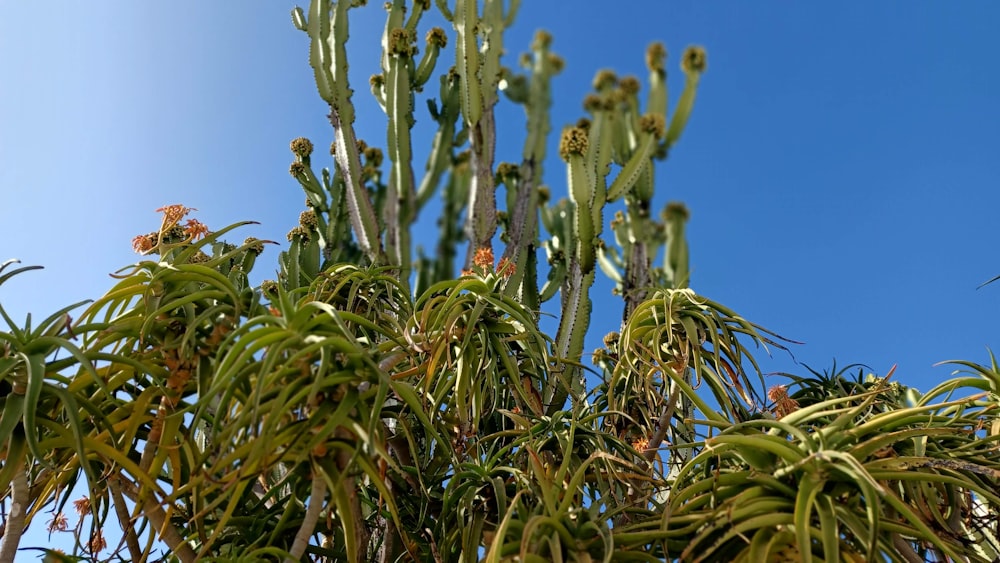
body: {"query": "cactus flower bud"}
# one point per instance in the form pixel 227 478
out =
pixel 269 287
pixel 656 54
pixel 694 59
pixel 400 43
pixel 593 103
pixel 611 340
pixel 508 170
pixel 437 36
pixel 302 147
pixel 573 141
pixel 653 123
pixel 543 40
pixel 199 257
pixel 300 232
pixel 543 194
pixel 256 245
pixel 307 220
pixel 630 85
pixel 675 211
pixel 605 79
pixel 556 63
pixel 373 156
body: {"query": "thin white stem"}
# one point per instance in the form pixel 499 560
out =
pixel 316 497
pixel 15 521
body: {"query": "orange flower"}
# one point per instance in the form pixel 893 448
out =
pixel 82 505
pixel 195 229
pixel 777 393
pixel 483 257
pixel 58 523
pixel 97 542
pixel 174 213
pixel 505 268
pixel 143 243
pixel 783 404
pixel 641 444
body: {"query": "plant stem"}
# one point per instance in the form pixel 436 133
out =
pixel 18 512
pixel 316 497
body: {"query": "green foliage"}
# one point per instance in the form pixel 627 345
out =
pixel 371 406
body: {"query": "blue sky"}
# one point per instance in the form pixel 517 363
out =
pixel 840 165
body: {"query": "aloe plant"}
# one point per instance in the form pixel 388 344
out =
pixel 374 402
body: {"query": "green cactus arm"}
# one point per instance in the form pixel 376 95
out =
pixel 556 277
pixel 544 65
pixel 552 218
pixel 524 206
pixel 293 277
pixel 399 208
pixel 335 46
pixel 435 40
pixel 339 225
pixel 394 20
pixel 443 8
pixel 675 260
pixel 320 57
pixel 377 87
pixel 693 64
pixel 299 19
pixel 309 260
pixel 609 261
pixel 530 296
pixel 573 325
pixel 481 223
pixel 601 161
pixel 441 150
pixel 640 158
pixel 582 196
pixel 522 230
pixel 491 27
pixel 524 203
pixel 328 37
pixel 307 179
pixel 322 205
pixel 599 146
pixel 636 279
pixel 419 7
pixel 478 80
pixel 360 210
pixel 455 194
pixel 467 60
pixel 323 229
pixel 642 192
pixel 621 231
pixel 656 55
pixel 573 147
pixel 482 216
pixel 511 15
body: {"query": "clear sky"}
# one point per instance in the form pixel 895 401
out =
pixel 840 166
